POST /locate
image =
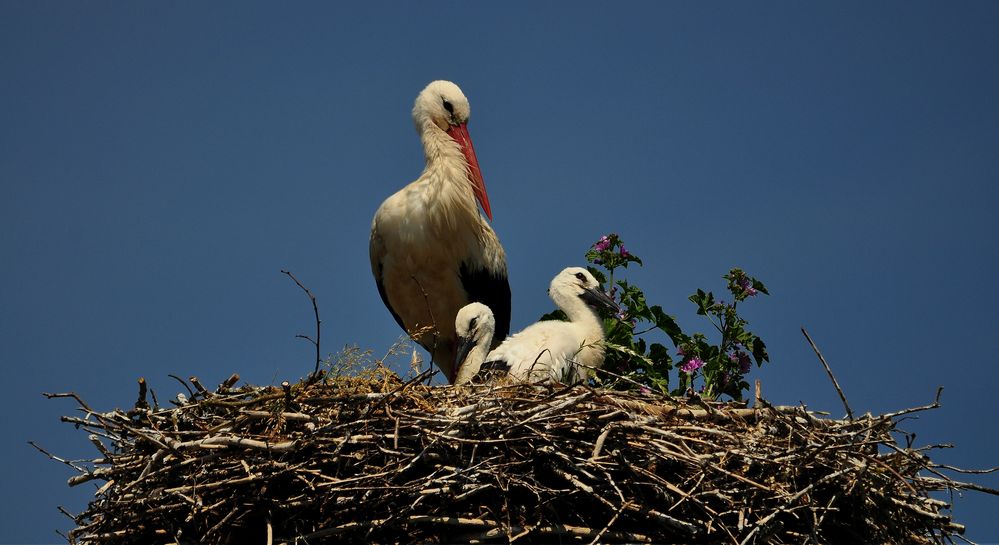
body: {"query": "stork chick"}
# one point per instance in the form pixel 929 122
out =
pixel 431 251
pixel 546 350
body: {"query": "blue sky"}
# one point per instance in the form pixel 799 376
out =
pixel 161 163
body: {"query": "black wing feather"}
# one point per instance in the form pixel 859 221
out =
pixel 381 291
pixel 490 289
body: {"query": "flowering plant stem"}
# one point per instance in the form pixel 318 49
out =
pixel 719 369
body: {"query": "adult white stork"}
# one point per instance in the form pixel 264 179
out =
pixel 546 350
pixel 431 251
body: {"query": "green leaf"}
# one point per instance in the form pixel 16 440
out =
pixel 660 357
pixel 554 315
pixel 760 351
pixel 614 347
pixel 702 300
pixel 758 286
pixel 666 323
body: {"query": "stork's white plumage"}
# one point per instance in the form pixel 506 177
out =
pixel 546 350
pixel 431 251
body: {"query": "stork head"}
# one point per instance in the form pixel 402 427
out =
pixel 442 106
pixel 578 282
pixel 474 326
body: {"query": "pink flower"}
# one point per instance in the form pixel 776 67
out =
pixel 691 365
pixel 603 244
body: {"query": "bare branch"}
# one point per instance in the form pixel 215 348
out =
pixel 842 396
pixel 315 310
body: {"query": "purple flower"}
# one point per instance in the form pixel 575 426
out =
pixel 747 286
pixel 691 365
pixel 742 359
pixel 680 352
pixel 624 253
pixel 603 244
pixel 645 390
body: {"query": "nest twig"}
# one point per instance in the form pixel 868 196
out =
pixel 380 460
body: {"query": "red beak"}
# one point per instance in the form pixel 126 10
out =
pixel 460 135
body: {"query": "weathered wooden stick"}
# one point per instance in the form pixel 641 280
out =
pixel 842 396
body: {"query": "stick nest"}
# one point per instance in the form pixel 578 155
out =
pixel 375 459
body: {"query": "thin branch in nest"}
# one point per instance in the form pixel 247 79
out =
pixel 67 513
pixel 184 384
pixel 315 310
pixel 931 406
pixel 967 471
pixel 842 396
pixel 72 395
pixel 55 458
pixel 431 328
pixel 619 377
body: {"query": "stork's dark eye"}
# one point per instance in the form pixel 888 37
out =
pixel 581 277
pixel 471 324
pixel 448 106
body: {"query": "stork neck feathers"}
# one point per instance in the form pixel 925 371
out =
pixel 576 309
pixel 573 290
pixel 438 146
pixel 446 178
pixel 444 160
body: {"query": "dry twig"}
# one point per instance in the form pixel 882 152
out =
pixel 832 377
pixel 315 310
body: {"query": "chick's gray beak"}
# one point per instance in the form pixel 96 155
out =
pixel 465 345
pixel 598 299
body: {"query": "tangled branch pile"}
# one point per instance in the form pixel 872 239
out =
pixel 378 460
